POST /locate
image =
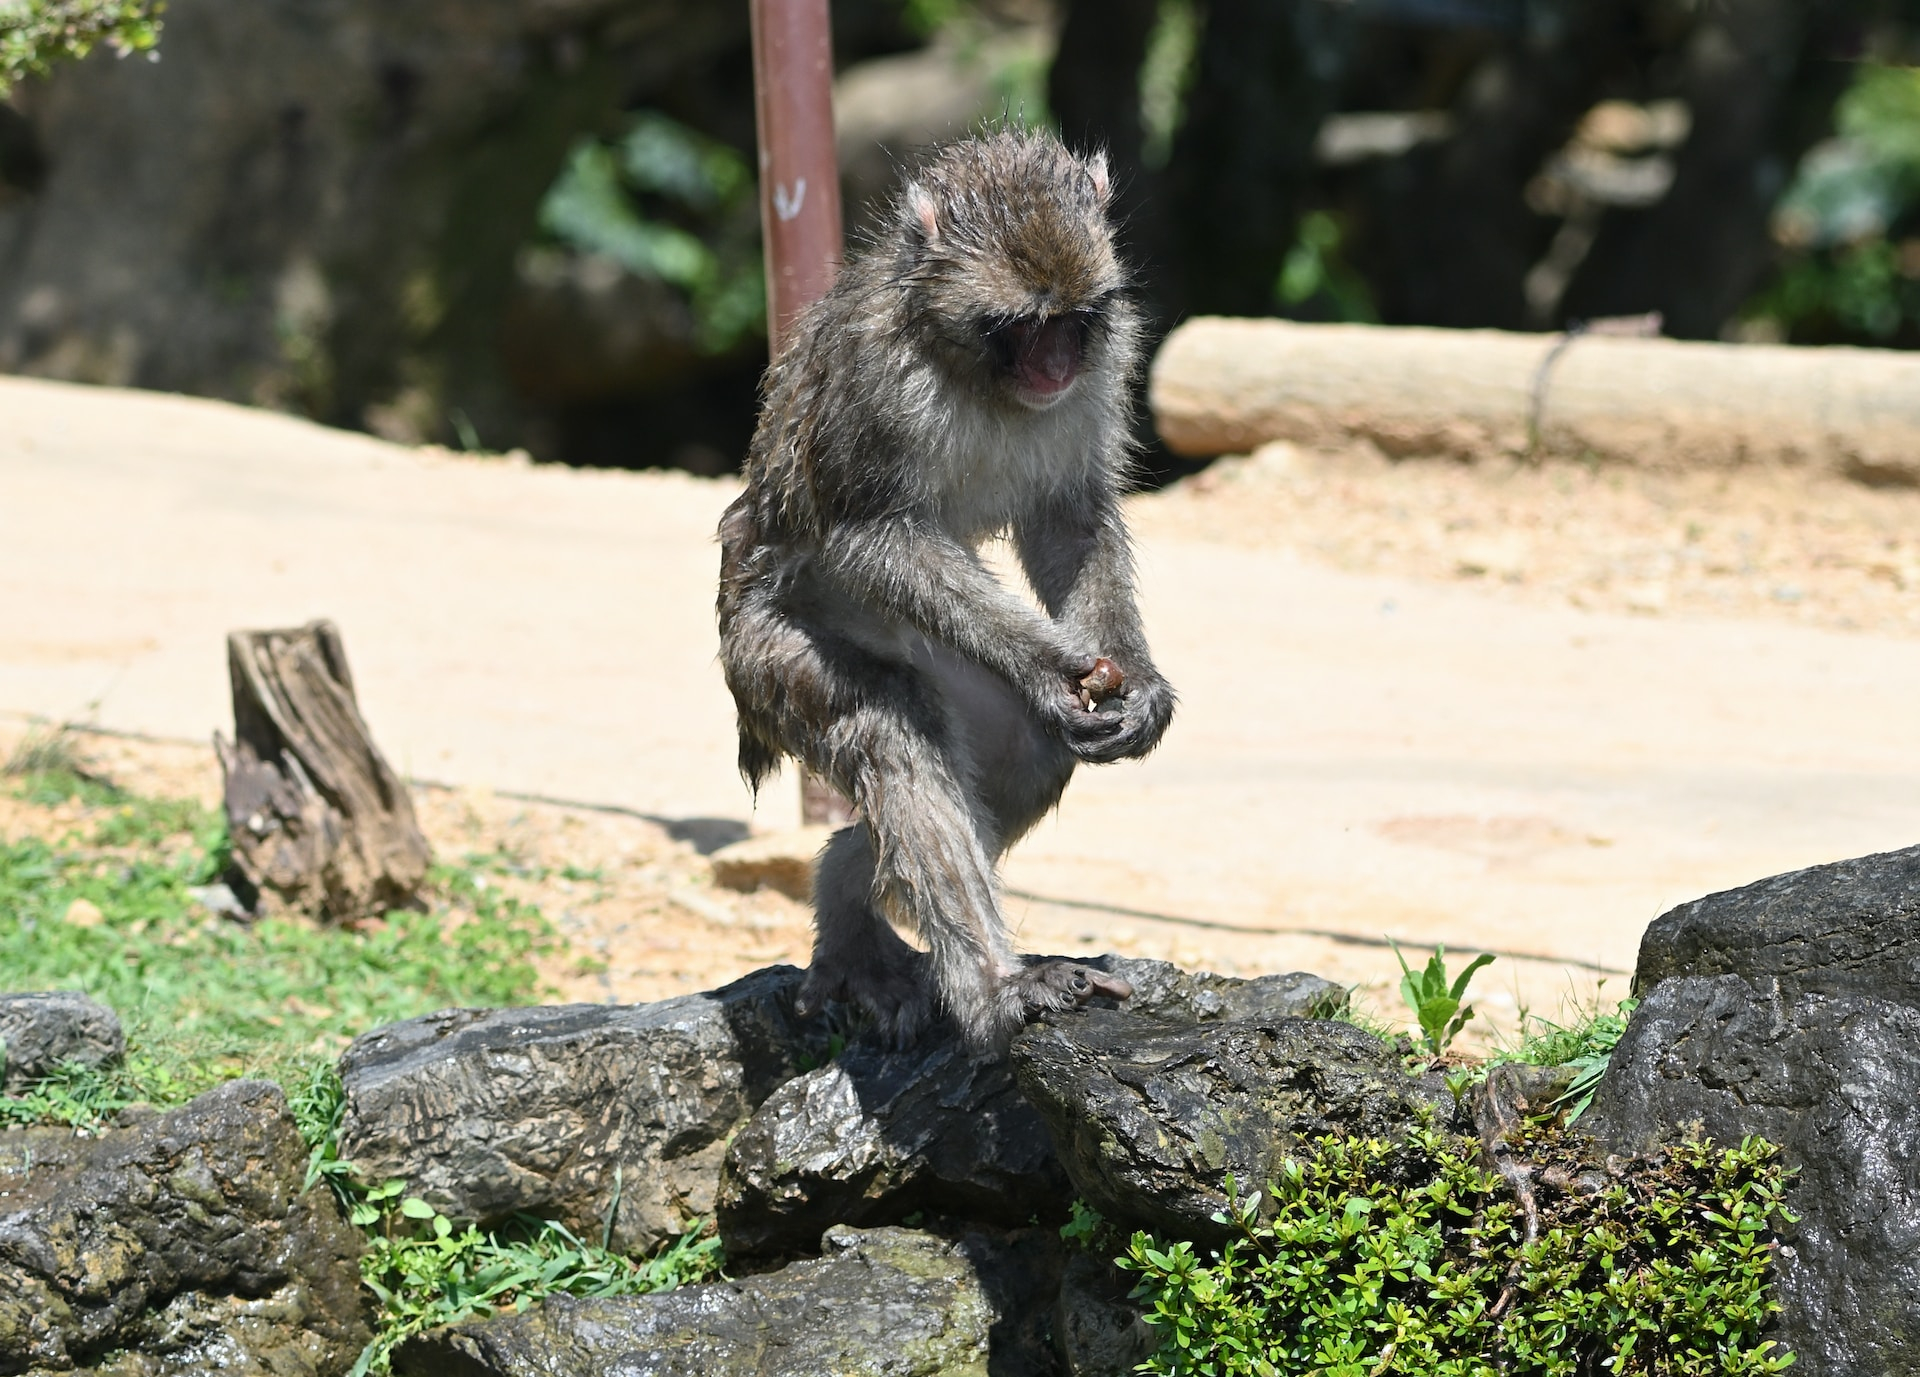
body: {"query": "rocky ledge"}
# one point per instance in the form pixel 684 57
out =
pixel 897 1212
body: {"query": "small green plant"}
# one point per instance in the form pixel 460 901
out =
pixel 1411 1258
pixel 435 1273
pixel 1085 1226
pixel 1435 1003
pixel 1586 1045
pixel 36 34
pixel 1848 226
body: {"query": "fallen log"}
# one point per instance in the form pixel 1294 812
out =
pixel 319 821
pixel 1224 386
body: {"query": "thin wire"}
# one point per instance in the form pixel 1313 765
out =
pixel 1349 938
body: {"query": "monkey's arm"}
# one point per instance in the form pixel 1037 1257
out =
pixel 1080 563
pixel 914 571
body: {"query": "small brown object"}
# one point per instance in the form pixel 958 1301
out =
pixel 320 822
pixel 1102 682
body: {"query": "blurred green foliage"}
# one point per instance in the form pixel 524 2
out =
pixel 670 204
pixel 1165 76
pixel 35 34
pixel 1315 282
pixel 1849 225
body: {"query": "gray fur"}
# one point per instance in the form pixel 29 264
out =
pixel 911 416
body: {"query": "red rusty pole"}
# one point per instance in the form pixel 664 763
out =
pixel 799 181
pixel 799 203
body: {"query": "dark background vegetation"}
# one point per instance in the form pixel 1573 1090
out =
pixel 496 223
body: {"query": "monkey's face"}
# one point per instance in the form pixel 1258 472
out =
pixel 1011 263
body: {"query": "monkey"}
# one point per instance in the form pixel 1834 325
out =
pixel 968 375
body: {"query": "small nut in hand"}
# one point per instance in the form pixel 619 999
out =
pixel 1101 683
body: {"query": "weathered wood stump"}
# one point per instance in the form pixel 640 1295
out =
pixel 320 822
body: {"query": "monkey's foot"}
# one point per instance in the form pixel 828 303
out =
pixel 887 986
pixel 1047 983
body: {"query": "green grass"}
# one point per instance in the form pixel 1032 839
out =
pixel 206 999
pixel 1586 1044
pixel 426 1271
pixel 432 1273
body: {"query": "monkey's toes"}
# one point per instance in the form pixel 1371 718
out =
pixel 1056 983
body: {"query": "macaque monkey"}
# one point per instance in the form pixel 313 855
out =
pixel 968 376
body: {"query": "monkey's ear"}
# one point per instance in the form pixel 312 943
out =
pixel 1097 174
pixel 922 213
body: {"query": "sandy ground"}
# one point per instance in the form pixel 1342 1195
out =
pixel 1813 549
pixel 1509 709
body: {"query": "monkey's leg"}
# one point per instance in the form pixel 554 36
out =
pixel 857 956
pixel 1014 770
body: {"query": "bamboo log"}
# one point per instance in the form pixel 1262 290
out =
pixel 1227 386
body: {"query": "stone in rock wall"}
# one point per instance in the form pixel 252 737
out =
pixel 178 1245
pixel 1098 1331
pixel 879 1134
pixel 564 1111
pixel 1149 1118
pixel 1791 1009
pixel 1163 990
pixel 40 1031
pixel 885 1301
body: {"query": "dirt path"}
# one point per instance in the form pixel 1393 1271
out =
pixel 1432 702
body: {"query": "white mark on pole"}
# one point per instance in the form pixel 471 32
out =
pixel 787 204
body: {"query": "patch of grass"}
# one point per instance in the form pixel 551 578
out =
pixel 1411 1258
pixel 426 1271
pixel 1586 1044
pixel 110 910
pixel 434 1273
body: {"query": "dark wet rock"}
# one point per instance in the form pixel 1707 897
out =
pixel 1791 1009
pixel 40 1031
pixel 1162 990
pixel 1098 1331
pixel 178 1246
pixel 562 1110
pixel 878 1134
pixel 885 1301
pixel 1150 1118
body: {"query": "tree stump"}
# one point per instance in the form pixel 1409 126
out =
pixel 320 822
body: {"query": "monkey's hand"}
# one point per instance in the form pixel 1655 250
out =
pixel 1136 717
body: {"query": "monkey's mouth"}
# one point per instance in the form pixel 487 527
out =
pixel 1042 356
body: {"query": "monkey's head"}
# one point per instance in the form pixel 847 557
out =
pixel 1008 258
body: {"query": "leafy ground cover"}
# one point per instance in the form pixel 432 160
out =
pixel 1370 1258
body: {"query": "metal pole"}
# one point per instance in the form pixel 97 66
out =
pixel 799 204
pixel 799 181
